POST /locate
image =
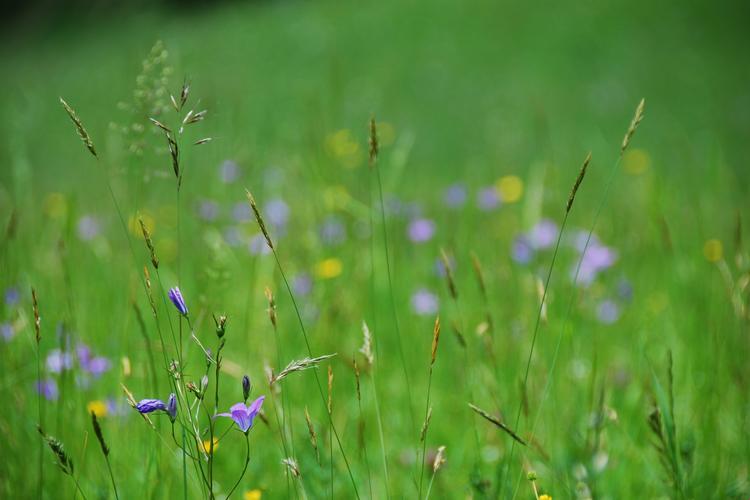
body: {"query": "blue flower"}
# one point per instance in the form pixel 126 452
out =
pixel 244 415
pixel 176 297
pixel 172 407
pixel 150 405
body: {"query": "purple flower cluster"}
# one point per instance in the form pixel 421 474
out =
pixel 540 237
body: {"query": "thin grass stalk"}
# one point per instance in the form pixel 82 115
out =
pixel 427 409
pixel 362 423
pixel 288 287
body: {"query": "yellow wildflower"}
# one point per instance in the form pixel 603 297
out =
pixel 636 161
pixel 55 205
pixel 713 250
pixel 98 407
pixel 510 188
pixel 545 497
pixel 255 494
pixel 328 268
pixel 207 445
pixel 342 146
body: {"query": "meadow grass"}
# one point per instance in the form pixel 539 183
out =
pixel 487 321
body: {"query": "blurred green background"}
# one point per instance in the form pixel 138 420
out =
pixel 466 92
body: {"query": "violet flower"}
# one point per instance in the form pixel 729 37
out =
pixel 48 389
pixel 150 405
pixel 244 415
pixel 424 302
pixel 176 297
pixel 421 230
pixel 172 407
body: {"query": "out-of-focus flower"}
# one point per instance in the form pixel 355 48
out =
pixel 150 405
pixel 625 290
pixel 244 415
pixel 207 445
pixel 229 172
pixel 277 213
pixel 252 495
pixel 344 147
pixel 488 199
pixel 55 205
pixel 176 297
pixel 208 210
pixel 713 250
pixel 97 407
pixel 241 212
pixel 521 250
pixel 608 312
pixel 12 296
pixel 48 389
pixel 545 497
pixel 332 231
pixel 510 188
pixel 88 227
pixel 302 284
pixel 455 196
pixel 424 302
pixel 543 234
pixel 328 268
pixel 258 245
pixel 233 236
pixel 57 361
pixel 596 259
pixel 636 161
pixel 421 230
pixel 6 331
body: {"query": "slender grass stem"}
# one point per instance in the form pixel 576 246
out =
pixel 244 469
pixel 112 477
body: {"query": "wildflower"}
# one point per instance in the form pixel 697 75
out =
pixel 229 171
pixel 277 213
pixel 207 445
pixel 521 250
pixel 97 366
pixel 343 146
pixel 332 231
pixel 713 250
pixel 424 302
pixel 328 268
pixel 176 297
pixel 6 331
pixel 246 386
pixel 172 407
pixel 545 497
pixel 57 361
pixel 150 405
pixel 88 227
pixel 596 259
pixel 48 389
pixel 455 196
pixel 510 188
pixel 488 199
pixel 208 210
pixel 244 415
pixel 233 236
pixel 255 494
pixel 302 284
pixel 97 407
pixel 12 296
pixel 421 230
pixel 608 312
pixel 543 234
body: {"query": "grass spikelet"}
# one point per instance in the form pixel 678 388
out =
pixel 633 125
pixel 366 348
pixel 540 290
pixel 577 183
pixel 85 137
pixel 449 274
pixel 439 459
pixel 313 434
pixel 300 365
pixel 291 465
pixel 149 243
pixel 330 389
pixel 160 125
pixel 425 425
pixel 37 318
pixel 498 423
pixel 435 340
pixel 259 218
pixel 373 143
pixel 477 266
pixel 99 435
pixel 271 305
pixel 63 459
pixel 174 154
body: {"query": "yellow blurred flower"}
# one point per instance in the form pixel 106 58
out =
pixel 125 366
pixel 336 197
pixel 328 268
pixel 207 445
pixel 252 495
pixel 135 227
pixel 636 161
pixel 55 205
pixel 98 407
pixel 343 146
pixel 713 250
pixel 386 133
pixel 510 188
pixel 545 497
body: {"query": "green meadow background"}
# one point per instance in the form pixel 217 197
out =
pixel 505 96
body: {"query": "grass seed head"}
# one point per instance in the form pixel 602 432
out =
pixel 633 125
pixel 85 137
pixel 577 183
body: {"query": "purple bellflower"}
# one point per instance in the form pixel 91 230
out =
pixel 150 405
pixel 172 407
pixel 176 297
pixel 244 415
